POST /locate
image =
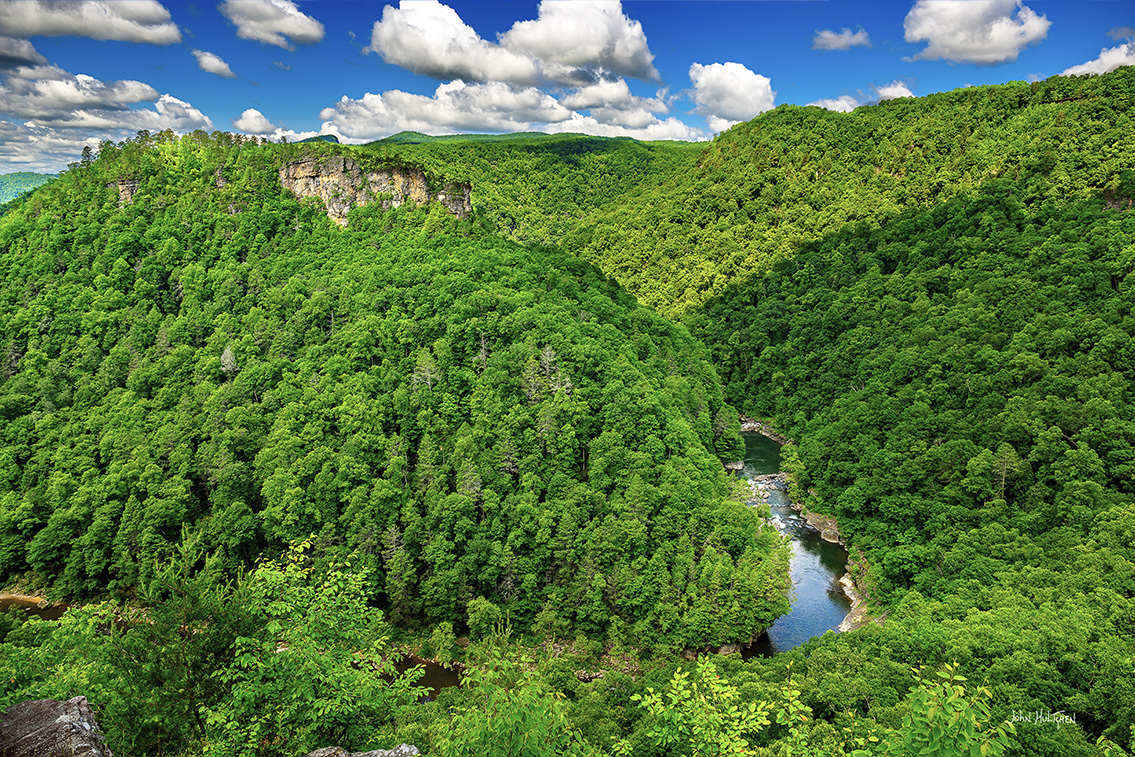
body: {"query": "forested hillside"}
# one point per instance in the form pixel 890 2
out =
pixel 934 297
pixel 478 421
pixel 795 175
pixel 960 383
pixel 959 377
pixel 535 188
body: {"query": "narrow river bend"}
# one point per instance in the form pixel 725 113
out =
pixel 818 601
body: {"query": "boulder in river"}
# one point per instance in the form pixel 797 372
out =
pixel 50 728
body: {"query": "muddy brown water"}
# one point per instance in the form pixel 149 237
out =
pixel 435 676
pixel 37 606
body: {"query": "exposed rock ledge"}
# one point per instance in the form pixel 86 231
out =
pixel 127 188
pixel 339 182
pixel 858 617
pixel 764 428
pixel 825 524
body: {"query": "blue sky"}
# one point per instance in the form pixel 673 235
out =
pixel 77 72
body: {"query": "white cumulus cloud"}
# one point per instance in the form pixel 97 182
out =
pixel 612 93
pixel 125 20
pixel 273 22
pixel 841 104
pixel 726 93
pixel 568 35
pixel 253 121
pixel 844 39
pixel 612 102
pixel 47 115
pixel 1110 59
pixel 848 103
pixel 50 93
pixel 29 147
pixel 48 146
pixel 892 91
pixel 213 64
pixel 455 107
pixel 168 113
pixel 429 38
pixel 576 42
pixel 974 31
pixel 654 129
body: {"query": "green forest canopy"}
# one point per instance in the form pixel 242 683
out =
pixel 933 296
pixel 795 175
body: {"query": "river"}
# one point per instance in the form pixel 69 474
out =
pixel 32 605
pixel 818 601
pixel 435 676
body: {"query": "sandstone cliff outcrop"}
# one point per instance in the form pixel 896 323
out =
pixel 339 182
pixel 127 188
pixel 50 728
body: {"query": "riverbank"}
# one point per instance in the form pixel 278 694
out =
pixel 860 614
pixel 35 605
pixel 762 427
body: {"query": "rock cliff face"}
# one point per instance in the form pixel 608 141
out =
pixel 342 185
pixel 127 188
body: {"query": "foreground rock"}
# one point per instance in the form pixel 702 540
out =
pixel 405 750
pixel 50 728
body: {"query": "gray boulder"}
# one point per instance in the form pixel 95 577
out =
pixel 50 728
pixel 405 750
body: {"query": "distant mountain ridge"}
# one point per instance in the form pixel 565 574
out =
pixel 319 138
pixel 12 185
